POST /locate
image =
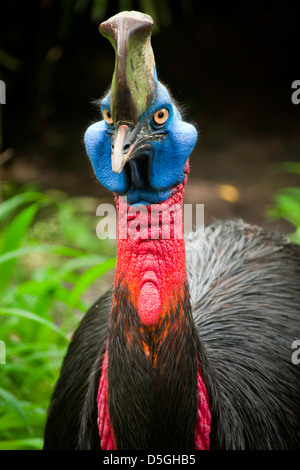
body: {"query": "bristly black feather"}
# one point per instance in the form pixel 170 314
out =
pixel 244 285
pixel 152 395
pixel 88 435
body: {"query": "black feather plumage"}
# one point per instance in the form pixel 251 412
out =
pixel 244 287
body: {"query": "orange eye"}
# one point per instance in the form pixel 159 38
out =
pixel 161 116
pixel 107 116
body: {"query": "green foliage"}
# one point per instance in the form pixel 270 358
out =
pixel 45 289
pixel 287 203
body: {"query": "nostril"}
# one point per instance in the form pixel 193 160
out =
pixel 126 148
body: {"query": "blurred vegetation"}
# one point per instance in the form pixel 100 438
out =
pixel 45 289
pixel 31 57
pixel 66 12
pixel 52 265
pixel 160 10
pixel 286 203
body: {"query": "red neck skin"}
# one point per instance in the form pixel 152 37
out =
pixel 151 255
pixel 151 264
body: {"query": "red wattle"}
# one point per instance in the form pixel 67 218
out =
pixel 151 265
pixel 149 303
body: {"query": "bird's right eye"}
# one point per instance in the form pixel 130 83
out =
pixel 107 116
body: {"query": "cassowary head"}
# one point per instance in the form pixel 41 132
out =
pixel 141 147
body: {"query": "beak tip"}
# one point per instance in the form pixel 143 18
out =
pixel 117 155
pixel 117 168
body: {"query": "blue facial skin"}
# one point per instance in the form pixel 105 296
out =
pixel 167 155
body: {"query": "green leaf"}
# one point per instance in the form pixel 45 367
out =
pixel 291 167
pixel 22 444
pixel 27 250
pixel 12 239
pixel 31 316
pixel 11 204
pixel 12 401
pixel 38 288
pixel 10 420
pixel 78 263
pixel 287 206
pixel 89 277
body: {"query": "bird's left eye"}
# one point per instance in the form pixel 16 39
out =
pixel 161 116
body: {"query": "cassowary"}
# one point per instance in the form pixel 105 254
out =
pixel 192 347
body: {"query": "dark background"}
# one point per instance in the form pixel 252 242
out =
pixel 231 68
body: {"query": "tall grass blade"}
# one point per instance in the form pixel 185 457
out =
pixel 12 238
pixel 11 400
pixel 8 206
pixel 89 277
pixel 22 444
pixel 31 316
pixel 27 250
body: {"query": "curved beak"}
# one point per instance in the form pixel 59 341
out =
pixel 126 140
pixel 118 153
